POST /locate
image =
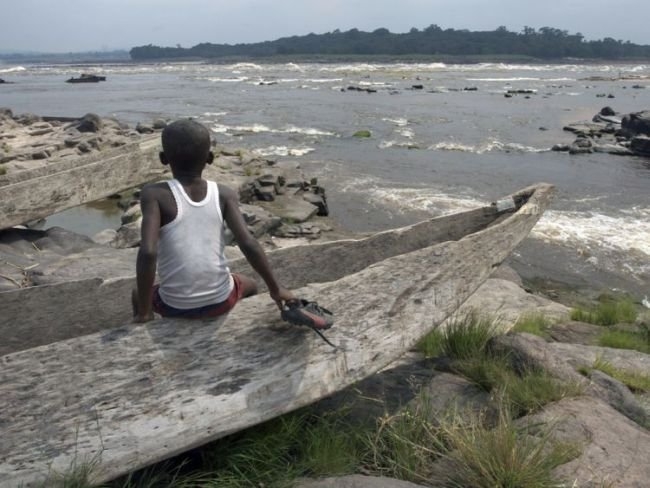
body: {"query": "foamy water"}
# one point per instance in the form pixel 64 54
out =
pixel 283 151
pixel 261 128
pixel 599 238
pixel 488 146
pixel 596 230
pixel 13 69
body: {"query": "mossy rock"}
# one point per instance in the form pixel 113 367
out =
pixel 362 133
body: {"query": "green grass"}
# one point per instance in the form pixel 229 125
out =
pixel 431 345
pixel 405 445
pixel 362 134
pixel 623 339
pixel 524 391
pixel 533 323
pixel 636 382
pixel 272 455
pixel 465 342
pixel 504 456
pixel 464 337
pixel 607 312
pixel 78 475
pixel 3 170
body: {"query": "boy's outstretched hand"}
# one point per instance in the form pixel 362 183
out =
pixel 281 295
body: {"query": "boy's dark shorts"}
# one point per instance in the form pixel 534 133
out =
pixel 208 311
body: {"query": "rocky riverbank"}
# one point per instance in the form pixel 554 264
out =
pixel 606 418
pixel 277 200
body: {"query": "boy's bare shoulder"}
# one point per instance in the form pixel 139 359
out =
pixel 226 192
pixel 154 190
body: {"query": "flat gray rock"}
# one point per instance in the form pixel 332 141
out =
pixel 575 332
pixel 290 208
pixel 448 392
pixel 614 449
pixel 507 301
pixel 580 355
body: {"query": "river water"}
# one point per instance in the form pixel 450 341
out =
pixel 433 151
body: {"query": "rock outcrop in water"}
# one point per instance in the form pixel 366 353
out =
pixel 610 133
pixel 276 197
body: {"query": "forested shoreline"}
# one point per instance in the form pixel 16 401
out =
pixel 543 43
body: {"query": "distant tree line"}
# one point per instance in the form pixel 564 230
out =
pixel 543 43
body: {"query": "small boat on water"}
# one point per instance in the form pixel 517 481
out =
pixel 125 396
pixel 86 78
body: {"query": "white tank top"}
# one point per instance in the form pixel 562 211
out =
pixel 192 266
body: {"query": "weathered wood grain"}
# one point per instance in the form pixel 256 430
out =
pixel 43 319
pixel 72 184
pixel 135 395
pixel 66 164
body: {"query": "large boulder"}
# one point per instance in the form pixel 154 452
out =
pixel 451 393
pixel 637 123
pixel 564 360
pixel 128 235
pixel 258 220
pixel 640 145
pixel 505 300
pixel 575 332
pixel 89 123
pixel 614 450
pixel 290 209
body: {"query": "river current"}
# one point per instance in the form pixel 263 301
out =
pixel 455 143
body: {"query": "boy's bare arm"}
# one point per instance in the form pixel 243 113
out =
pixel 148 253
pixel 249 245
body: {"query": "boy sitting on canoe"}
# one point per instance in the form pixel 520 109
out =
pixel 183 223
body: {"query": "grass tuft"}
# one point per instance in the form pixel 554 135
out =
pixel 78 475
pixel 468 336
pixel 463 338
pixel 533 323
pixel 465 341
pixel 636 382
pixel 505 456
pixel 404 446
pixel 623 339
pixel 524 392
pixel 607 312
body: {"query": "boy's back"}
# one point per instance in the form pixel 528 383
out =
pixel 192 266
pixel 182 232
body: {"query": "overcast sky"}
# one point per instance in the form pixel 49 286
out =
pixel 87 25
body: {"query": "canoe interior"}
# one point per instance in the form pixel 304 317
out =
pixel 57 312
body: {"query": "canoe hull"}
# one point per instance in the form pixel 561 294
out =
pixel 128 397
pixel 43 319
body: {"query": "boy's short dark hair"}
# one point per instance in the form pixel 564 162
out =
pixel 186 143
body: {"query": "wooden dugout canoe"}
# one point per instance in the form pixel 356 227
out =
pixel 57 312
pixel 34 194
pixel 130 396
